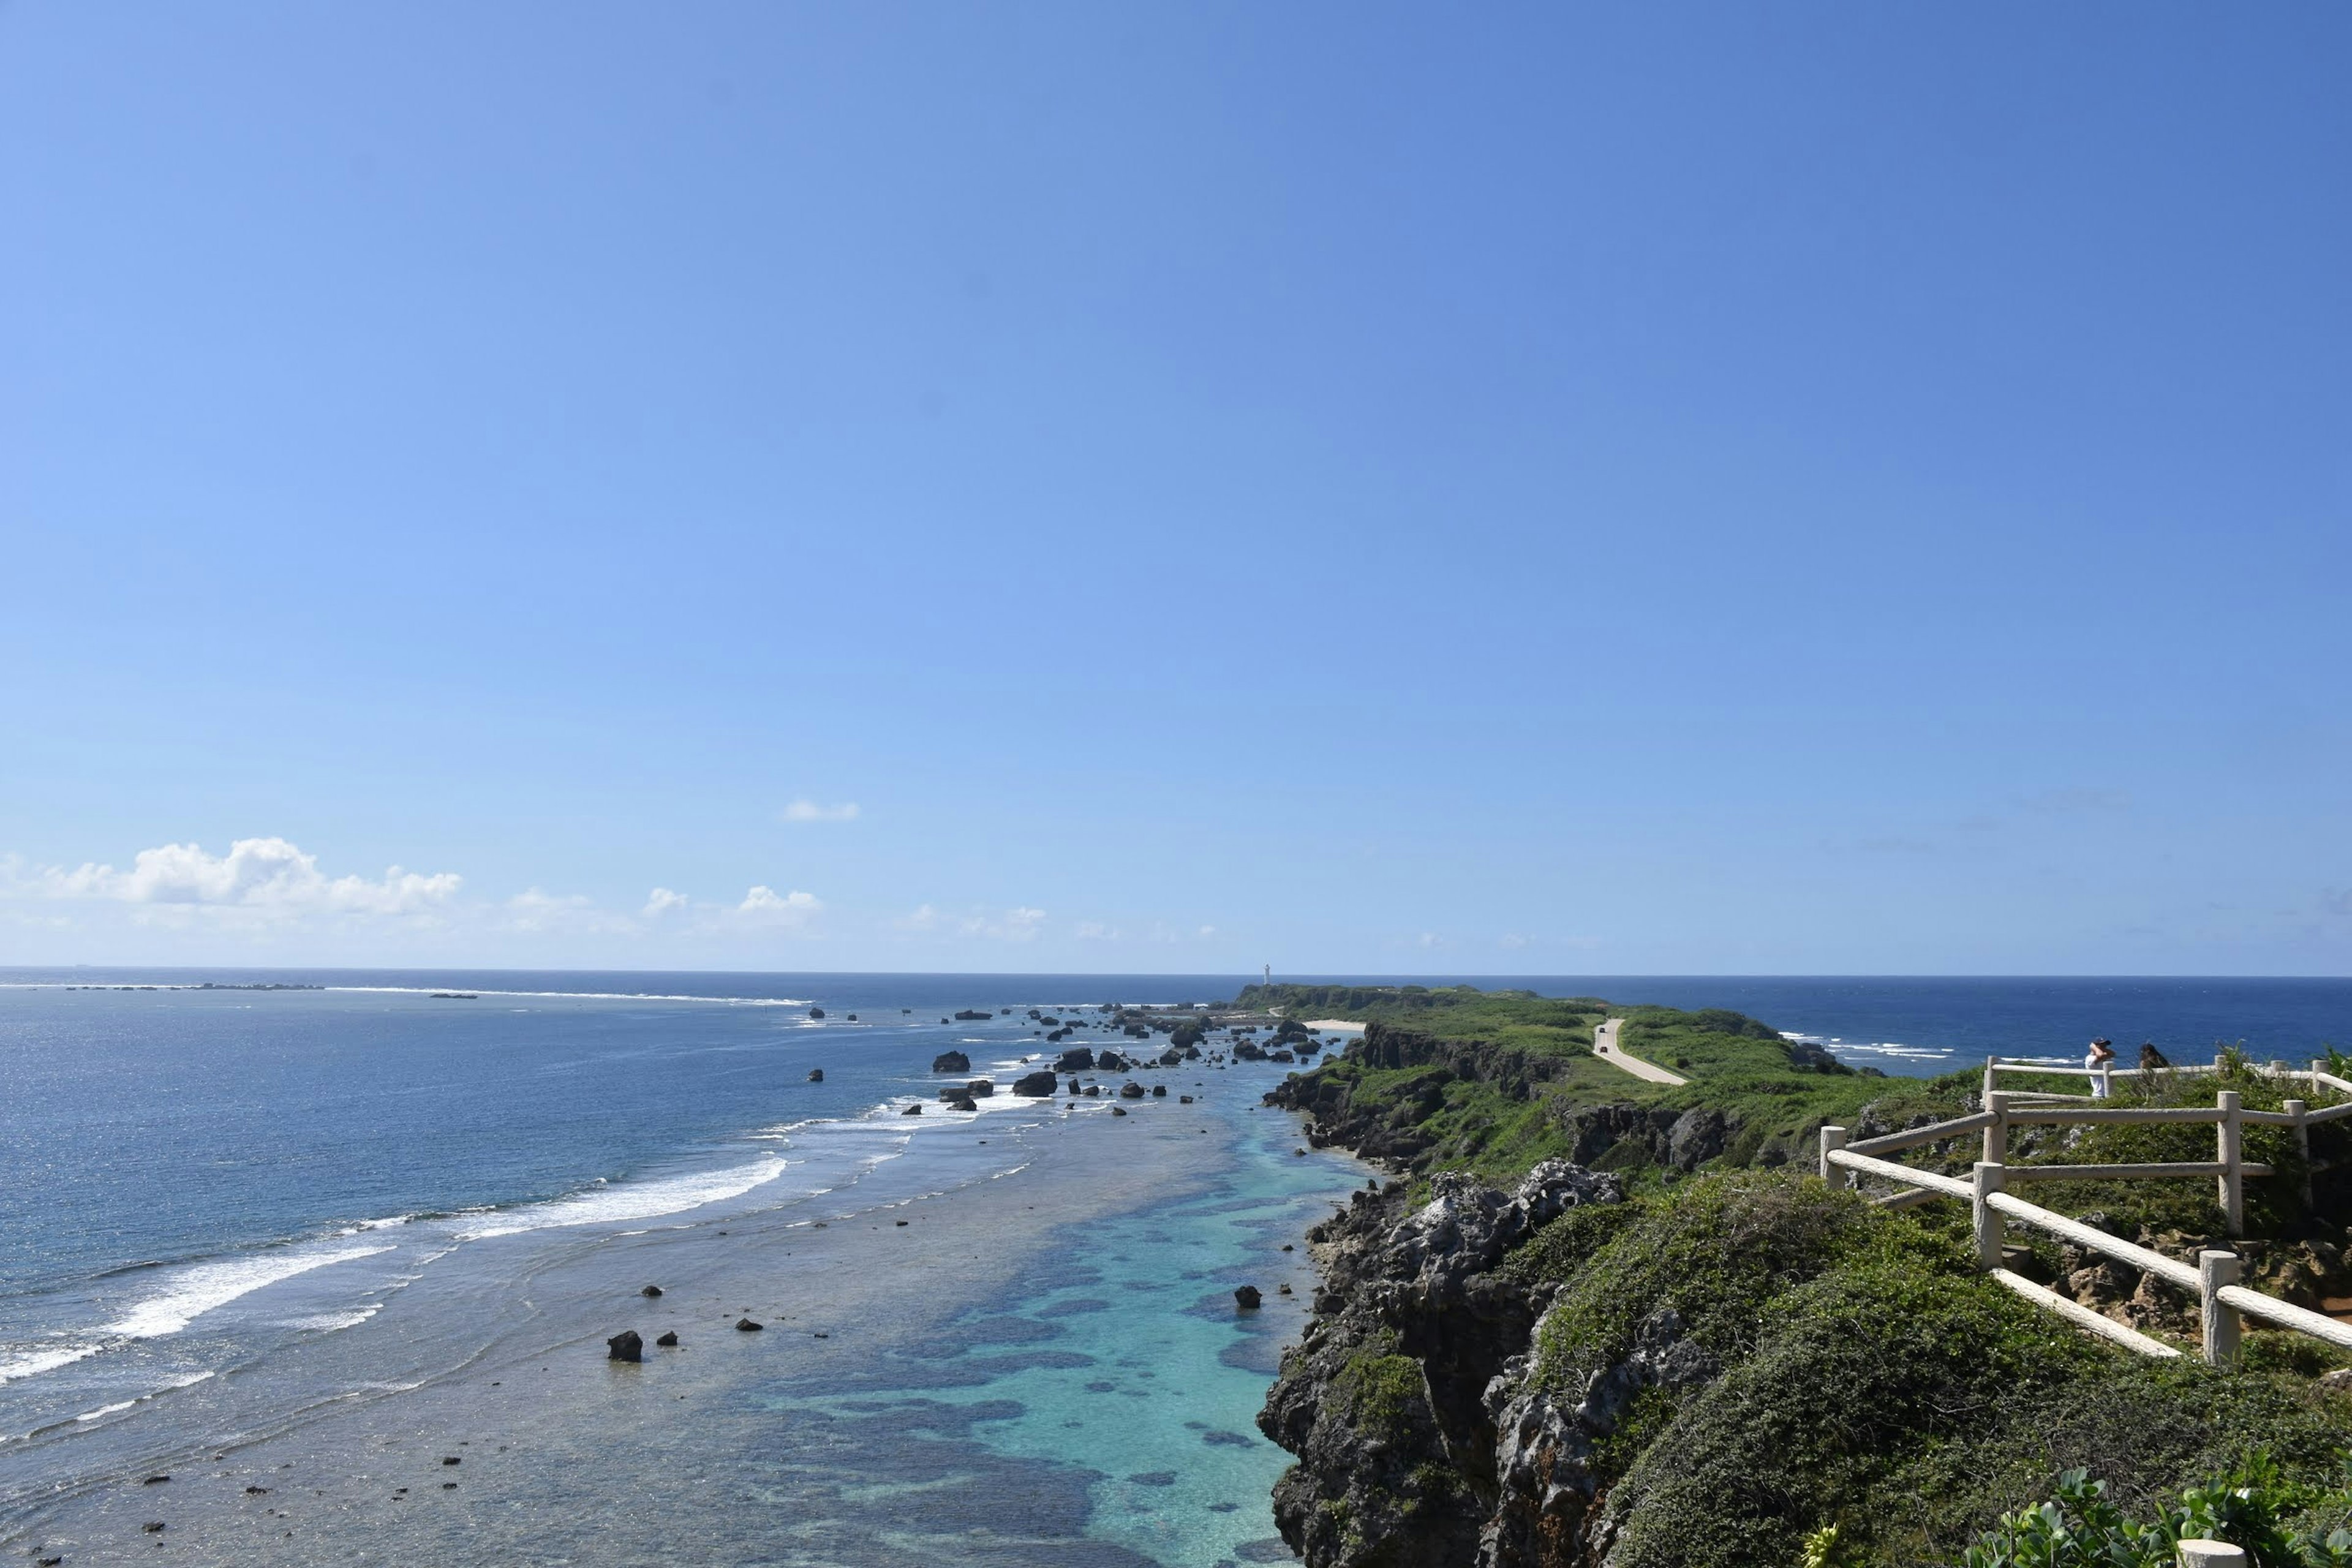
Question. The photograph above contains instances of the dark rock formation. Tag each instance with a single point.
(1037, 1085)
(1110, 1062)
(981, 1087)
(1160, 1091)
(1119, 1110)
(914, 1109)
(668, 1341)
(650, 1291)
(951, 1061)
(746, 1325)
(969, 1016)
(1246, 1297)
(1391, 1400)
(817, 1075)
(625, 1346)
(960, 1096)
(816, 1012)
(1077, 1058)
(1131, 1090)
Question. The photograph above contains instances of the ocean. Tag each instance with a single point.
(251, 1233)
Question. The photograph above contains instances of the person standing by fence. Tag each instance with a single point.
(2103, 1052)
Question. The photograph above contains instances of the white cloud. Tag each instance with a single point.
(258, 879)
(925, 918)
(1095, 931)
(662, 901)
(1016, 924)
(1430, 939)
(805, 810)
(766, 905)
(1207, 931)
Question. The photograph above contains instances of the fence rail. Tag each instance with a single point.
(2223, 1302)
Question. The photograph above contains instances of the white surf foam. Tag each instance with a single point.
(645, 1200)
(201, 1289)
(29, 1363)
(576, 996)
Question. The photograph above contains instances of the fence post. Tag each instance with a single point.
(1990, 1070)
(1833, 1138)
(2211, 1554)
(2299, 1111)
(1996, 1137)
(2215, 1270)
(1988, 1181)
(2317, 1067)
(2229, 1137)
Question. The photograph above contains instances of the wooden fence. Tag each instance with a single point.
(2223, 1303)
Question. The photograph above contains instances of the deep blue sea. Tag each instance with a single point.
(202, 1191)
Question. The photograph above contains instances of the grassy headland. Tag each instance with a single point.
(1847, 1378)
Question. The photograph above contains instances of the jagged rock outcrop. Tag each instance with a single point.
(1545, 1484)
(1386, 1401)
(951, 1061)
(1035, 1085)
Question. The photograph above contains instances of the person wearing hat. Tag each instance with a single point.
(2102, 1051)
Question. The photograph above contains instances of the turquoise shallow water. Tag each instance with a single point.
(1124, 1359)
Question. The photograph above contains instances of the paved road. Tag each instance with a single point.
(1605, 1046)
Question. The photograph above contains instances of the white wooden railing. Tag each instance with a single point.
(2223, 1303)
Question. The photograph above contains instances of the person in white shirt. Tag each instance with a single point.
(2103, 1052)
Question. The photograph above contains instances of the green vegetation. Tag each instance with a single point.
(2254, 1505)
(1383, 1388)
(1496, 1123)
(1870, 1381)
(1519, 1020)
(1851, 1391)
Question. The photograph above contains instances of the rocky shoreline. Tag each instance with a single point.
(1572, 1367)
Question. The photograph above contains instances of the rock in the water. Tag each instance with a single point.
(1131, 1090)
(1246, 1297)
(951, 1061)
(746, 1325)
(1119, 1110)
(1074, 1088)
(914, 1109)
(625, 1346)
(1037, 1085)
(981, 1087)
(1111, 1061)
(969, 1016)
(1158, 1091)
(1093, 1090)
(650, 1290)
(1077, 1058)
(817, 1075)
(816, 1012)
(668, 1341)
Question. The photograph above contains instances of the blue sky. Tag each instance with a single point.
(1362, 488)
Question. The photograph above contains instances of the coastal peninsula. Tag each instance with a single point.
(1598, 1319)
